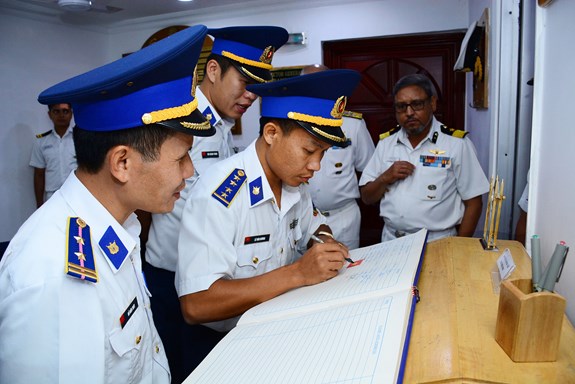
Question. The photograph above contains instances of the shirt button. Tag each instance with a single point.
(157, 348)
(138, 339)
(255, 260)
(281, 250)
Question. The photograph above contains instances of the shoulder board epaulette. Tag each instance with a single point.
(41, 135)
(230, 187)
(389, 133)
(80, 261)
(355, 115)
(453, 132)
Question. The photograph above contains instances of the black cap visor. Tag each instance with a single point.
(193, 124)
(332, 135)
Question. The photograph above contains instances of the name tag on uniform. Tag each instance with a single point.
(256, 239)
(210, 154)
(129, 312)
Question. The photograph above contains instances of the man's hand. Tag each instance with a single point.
(322, 262)
(398, 171)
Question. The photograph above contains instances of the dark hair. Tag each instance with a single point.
(418, 80)
(286, 125)
(222, 61)
(50, 106)
(92, 146)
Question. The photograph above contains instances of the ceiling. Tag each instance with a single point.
(115, 11)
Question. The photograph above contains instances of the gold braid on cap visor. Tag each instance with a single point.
(174, 113)
(319, 121)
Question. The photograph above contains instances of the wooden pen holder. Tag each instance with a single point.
(529, 323)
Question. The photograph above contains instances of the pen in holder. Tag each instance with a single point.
(529, 324)
(492, 214)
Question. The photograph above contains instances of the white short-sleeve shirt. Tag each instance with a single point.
(336, 184)
(447, 172)
(56, 155)
(162, 245)
(58, 328)
(232, 227)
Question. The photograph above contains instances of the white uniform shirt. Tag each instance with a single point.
(336, 184)
(248, 237)
(55, 154)
(432, 197)
(162, 245)
(56, 328)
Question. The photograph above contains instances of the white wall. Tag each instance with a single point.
(37, 53)
(552, 180)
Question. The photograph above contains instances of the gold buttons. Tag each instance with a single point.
(138, 339)
(255, 260)
(157, 348)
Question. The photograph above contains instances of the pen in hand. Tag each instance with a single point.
(318, 240)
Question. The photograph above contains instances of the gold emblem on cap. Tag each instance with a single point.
(113, 247)
(267, 55)
(81, 223)
(339, 107)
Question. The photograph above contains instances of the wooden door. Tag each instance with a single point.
(384, 60)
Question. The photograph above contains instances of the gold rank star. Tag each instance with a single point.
(80, 256)
(79, 240)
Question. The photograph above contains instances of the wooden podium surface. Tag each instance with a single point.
(453, 334)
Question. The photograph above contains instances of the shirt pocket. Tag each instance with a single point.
(430, 182)
(252, 259)
(128, 343)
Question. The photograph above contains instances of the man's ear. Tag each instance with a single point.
(120, 159)
(212, 70)
(433, 103)
(271, 132)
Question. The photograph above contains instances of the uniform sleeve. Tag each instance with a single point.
(206, 249)
(374, 166)
(364, 148)
(37, 159)
(471, 180)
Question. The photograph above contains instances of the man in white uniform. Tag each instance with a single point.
(247, 225)
(74, 307)
(240, 56)
(53, 155)
(334, 188)
(423, 174)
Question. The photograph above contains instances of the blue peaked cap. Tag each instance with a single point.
(316, 101)
(153, 85)
(250, 48)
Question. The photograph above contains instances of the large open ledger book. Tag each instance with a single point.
(353, 328)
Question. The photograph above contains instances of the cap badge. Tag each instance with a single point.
(267, 55)
(339, 107)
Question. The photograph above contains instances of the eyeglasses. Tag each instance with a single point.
(416, 105)
(57, 112)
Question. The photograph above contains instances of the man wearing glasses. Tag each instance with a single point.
(423, 174)
(53, 154)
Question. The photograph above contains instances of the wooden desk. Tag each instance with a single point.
(453, 334)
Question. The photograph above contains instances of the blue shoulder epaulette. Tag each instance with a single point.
(355, 115)
(389, 133)
(80, 261)
(229, 188)
(453, 132)
(41, 135)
